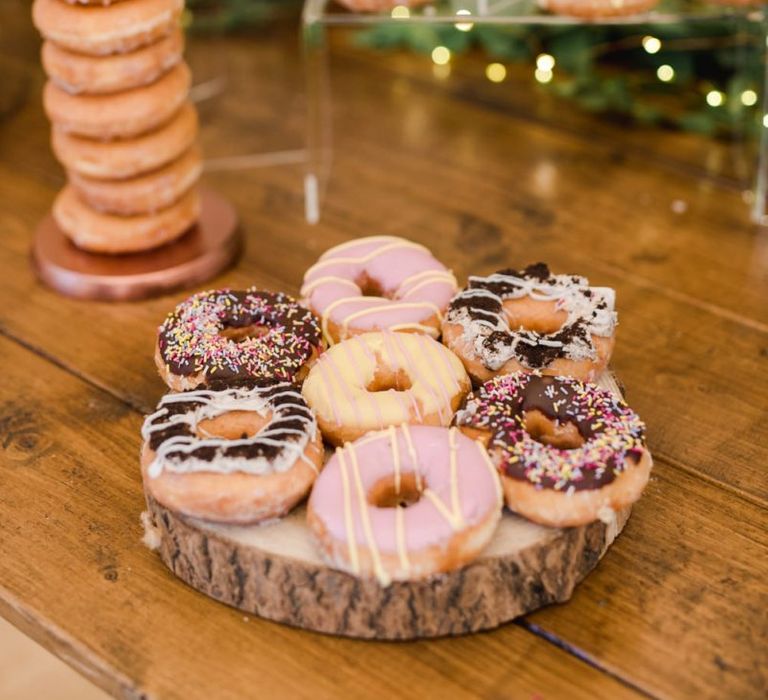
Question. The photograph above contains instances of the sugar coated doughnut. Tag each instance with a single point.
(376, 283)
(595, 9)
(105, 28)
(378, 379)
(121, 115)
(405, 503)
(569, 452)
(107, 233)
(225, 334)
(238, 453)
(127, 157)
(77, 73)
(531, 320)
(146, 193)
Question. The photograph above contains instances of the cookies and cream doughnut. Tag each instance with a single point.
(226, 335)
(127, 158)
(239, 453)
(105, 28)
(120, 115)
(107, 233)
(529, 320)
(405, 503)
(376, 283)
(144, 194)
(77, 73)
(375, 380)
(569, 452)
(595, 9)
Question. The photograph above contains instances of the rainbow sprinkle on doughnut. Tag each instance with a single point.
(611, 430)
(191, 339)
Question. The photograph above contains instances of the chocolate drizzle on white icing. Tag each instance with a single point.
(480, 312)
(172, 431)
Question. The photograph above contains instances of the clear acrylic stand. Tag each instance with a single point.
(320, 16)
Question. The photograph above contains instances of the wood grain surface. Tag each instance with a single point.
(486, 177)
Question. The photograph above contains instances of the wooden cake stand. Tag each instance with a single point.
(274, 571)
(201, 253)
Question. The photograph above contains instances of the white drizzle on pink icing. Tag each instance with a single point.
(453, 469)
(410, 300)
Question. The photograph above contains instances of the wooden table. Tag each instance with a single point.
(678, 607)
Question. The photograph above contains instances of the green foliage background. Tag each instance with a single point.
(599, 67)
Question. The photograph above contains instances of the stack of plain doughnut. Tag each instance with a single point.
(442, 406)
(122, 124)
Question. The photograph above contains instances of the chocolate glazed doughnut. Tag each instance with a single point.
(569, 453)
(225, 334)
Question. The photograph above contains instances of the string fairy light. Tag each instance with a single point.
(400, 12)
(441, 55)
(464, 26)
(495, 72)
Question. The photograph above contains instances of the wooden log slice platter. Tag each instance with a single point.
(275, 571)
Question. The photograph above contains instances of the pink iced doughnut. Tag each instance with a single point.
(378, 283)
(405, 503)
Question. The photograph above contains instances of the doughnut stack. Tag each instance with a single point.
(122, 124)
(441, 403)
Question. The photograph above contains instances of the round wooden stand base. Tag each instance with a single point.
(274, 571)
(201, 253)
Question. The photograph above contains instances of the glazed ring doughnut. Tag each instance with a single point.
(225, 334)
(375, 380)
(111, 160)
(106, 233)
(405, 503)
(596, 9)
(106, 28)
(378, 283)
(146, 193)
(121, 115)
(569, 453)
(77, 73)
(239, 453)
(531, 320)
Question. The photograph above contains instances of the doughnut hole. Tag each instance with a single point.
(234, 425)
(564, 436)
(243, 333)
(532, 315)
(385, 379)
(386, 494)
(370, 287)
